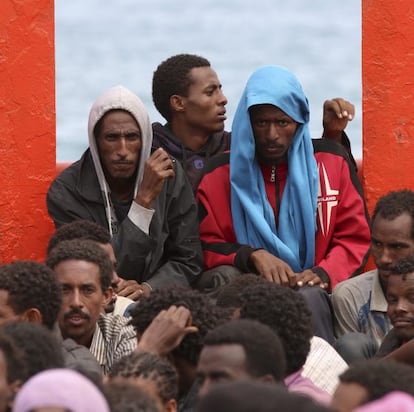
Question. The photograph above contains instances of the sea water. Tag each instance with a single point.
(103, 43)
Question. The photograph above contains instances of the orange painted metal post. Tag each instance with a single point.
(27, 126)
(388, 96)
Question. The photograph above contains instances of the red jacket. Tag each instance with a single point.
(342, 238)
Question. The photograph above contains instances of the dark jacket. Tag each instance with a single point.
(171, 253)
(192, 162)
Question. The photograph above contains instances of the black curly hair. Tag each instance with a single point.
(172, 76)
(205, 315)
(230, 294)
(249, 395)
(263, 348)
(151, 367)
(394, 204)
(79, 229)
(32, 285)
(41, 348)
(13, 356)
(286, 313)
(123, 396)
(380, 377)
(87, 250)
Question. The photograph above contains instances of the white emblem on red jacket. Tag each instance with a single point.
(327, 200)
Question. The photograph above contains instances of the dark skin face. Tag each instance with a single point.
(82, 299)
(390, 241)
(7, 313)
(205, 102)
(348, 396)
(221, 363)
(400, 298)
(119, 145)
(273, 131)
(202, 111)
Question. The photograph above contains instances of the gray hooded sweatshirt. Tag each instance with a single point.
(170, 254)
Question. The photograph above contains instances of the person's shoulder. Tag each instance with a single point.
(356, 284)
(218, 161)
(330, 147)
(165, 138)
(81, 358)
(71, 170)
(220, 142)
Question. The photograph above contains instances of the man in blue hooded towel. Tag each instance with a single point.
(280, 204)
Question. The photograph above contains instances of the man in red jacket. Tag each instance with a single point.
(281, 205)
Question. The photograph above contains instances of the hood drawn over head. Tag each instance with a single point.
(119, 98)
(253, 217)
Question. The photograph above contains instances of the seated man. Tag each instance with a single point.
(85, 229)
(194, 317)
(370, 380)
(399, 295)
(156, 372)
(253, 395)
(290, 319)
(359, 303)
(84, 272)
(143, 199)
(280, 205)
(124, 396)
(29, 292)
(188, 94)
(240, 350)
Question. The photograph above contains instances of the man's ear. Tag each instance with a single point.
(171, 405)
(32, 315)
(108, 293)
(177, 103)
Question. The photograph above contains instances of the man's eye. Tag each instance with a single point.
(133, 136)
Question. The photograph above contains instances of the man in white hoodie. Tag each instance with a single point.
(143, 199)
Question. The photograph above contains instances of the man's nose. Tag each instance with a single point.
(76, 300)
(222, 99)
(204, 388)
(122, 147)
(401, 306)
(273, 132)
(385, 257)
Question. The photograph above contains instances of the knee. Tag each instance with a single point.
(213, 279)
(354, 346)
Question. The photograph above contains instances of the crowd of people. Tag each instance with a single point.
(195, 269)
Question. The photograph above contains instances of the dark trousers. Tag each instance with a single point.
(355, 346)
(319, 302)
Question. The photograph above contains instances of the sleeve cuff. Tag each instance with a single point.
(322, 274)
(140, 216)
(242, 260)
(147, 284)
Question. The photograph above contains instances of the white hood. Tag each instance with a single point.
(119, 97)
